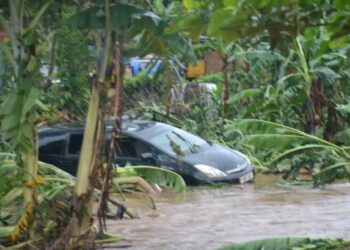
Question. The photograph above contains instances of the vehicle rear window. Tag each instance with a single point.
(52, 145)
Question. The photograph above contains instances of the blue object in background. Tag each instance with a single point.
(138, 65)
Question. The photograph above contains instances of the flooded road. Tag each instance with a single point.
(209, 218)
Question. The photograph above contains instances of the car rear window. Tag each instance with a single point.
(52, 145)
(75, 142)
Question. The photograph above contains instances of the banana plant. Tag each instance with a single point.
(55, 194)
(276, 145)
(104, 19)
(17, 109)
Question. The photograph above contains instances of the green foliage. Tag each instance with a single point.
(122, 16)
(70, 82)
(290, 244)
(141, 80)
(143, 88)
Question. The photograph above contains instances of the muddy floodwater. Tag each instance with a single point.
(209, 218)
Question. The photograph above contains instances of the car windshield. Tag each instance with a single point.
(178, 142)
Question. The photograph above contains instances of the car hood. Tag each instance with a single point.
(220, 157)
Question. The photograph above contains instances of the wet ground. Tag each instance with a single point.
(209, 218)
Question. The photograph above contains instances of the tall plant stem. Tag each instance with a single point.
(89, 157)
(117, 113)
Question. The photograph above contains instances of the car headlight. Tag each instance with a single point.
(209, 171)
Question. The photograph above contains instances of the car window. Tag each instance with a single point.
(132, 147)
(178, 142)
(52, 145)
(75, 142)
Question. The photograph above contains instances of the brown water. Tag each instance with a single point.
(209, 218)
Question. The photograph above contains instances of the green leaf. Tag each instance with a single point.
(262, 133)
(274, 141)
(9, 55)
(191, 23)
(6, 231)
(191, 4)
(7, 156)
(156, 175)
(10, 122)
(32, 65)
(341, 4)
(228, 24)
(243, 95)
(10, 103)
(254, 126)
(91, 18)
(39, 14)
(326, 74)
(11, 196)
(230, 3)
(296, 150)
(340, 42)
(30, 101)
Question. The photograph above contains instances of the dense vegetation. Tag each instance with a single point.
(282, 95)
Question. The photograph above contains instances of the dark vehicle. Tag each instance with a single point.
(151, 143)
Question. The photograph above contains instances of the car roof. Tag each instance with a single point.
(132, 126)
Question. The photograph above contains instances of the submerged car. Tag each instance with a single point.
(151, 143)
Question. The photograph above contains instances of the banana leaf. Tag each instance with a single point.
(255, 127)
(292, 243)
(156, 175)
(275, 141)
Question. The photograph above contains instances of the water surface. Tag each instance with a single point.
(209, 218)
